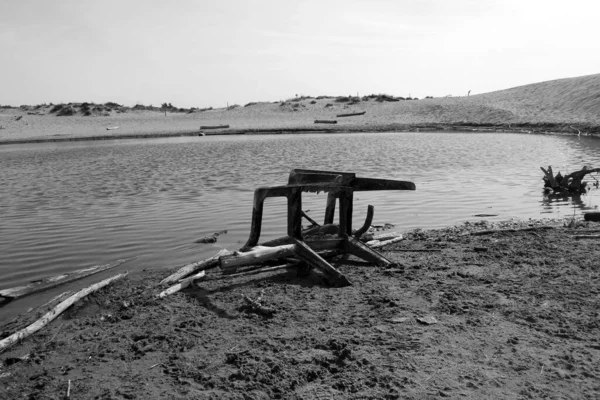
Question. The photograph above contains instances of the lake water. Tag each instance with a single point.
(71, 205)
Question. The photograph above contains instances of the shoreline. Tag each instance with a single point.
(484, 309)
(541, 128)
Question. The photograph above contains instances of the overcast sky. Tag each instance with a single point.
(197, 53)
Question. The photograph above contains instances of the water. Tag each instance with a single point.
(72, 205)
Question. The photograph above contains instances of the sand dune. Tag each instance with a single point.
(563, 101)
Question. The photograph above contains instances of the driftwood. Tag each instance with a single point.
(51, 302)
(214, 126)
(257, 255)
(570, 183)
(189, 269)
(48, 283)
(325, 121)
(367, 237)
(259, 270)
(351, 114)
(375, 244)
(55, 312)
(182, 284)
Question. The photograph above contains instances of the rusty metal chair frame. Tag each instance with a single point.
(340, 186)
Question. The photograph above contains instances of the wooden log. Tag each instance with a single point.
(579, 175)
(257, 255)
(381, 243)
(549, 175)
(327, 229)
(260, 270)
(306, 254)
(587, 237)
(51, 302)
(214, 126)
(323, 244)
(351, 114)
(182, 284)
(367, 237)
(276, 242)
(53, 281)
(325, 121)
(55, 312)
(189, 269)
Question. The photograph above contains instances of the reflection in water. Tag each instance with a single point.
(71, 205)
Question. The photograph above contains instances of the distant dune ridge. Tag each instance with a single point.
(559, 103)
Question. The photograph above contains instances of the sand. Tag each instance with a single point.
(513, 314)
(564, 105)
(504, 315)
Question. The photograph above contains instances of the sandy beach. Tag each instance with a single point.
(486, 311)
(482, 310)
(566, 105)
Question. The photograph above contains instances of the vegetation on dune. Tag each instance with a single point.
(89, 109)
(348, 99)
(300, 98)
(381, 97)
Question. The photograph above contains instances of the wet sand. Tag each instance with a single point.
(511, 314)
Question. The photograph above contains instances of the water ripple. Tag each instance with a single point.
(73, 205)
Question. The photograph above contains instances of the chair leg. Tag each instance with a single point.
(307, 255)
(294, 223)
(360, 250)
(330, 208)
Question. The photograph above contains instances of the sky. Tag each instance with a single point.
(198, 53)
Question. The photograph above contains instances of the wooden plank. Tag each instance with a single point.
(351, 114)
(325, 121)
(53, 281)
(214, 126)
(257, 255)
